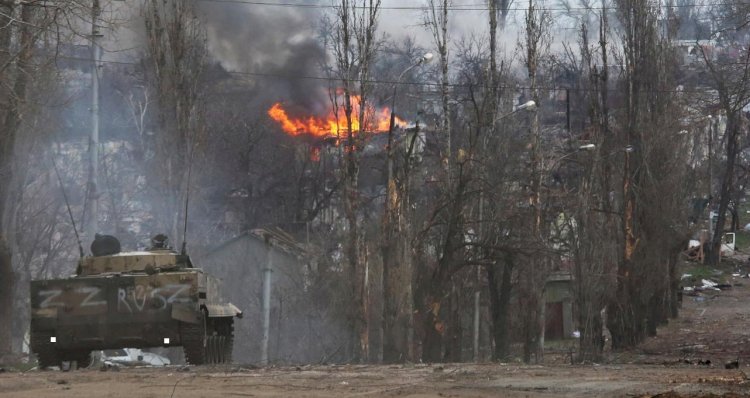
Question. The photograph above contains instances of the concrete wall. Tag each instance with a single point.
(301, 332)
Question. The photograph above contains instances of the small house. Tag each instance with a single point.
(269, 259)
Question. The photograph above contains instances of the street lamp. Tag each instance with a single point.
(528, 106)
(581, 148)
(426, 58)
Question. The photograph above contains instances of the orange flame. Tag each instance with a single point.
(377, 121)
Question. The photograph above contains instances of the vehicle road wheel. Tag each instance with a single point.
(46, 352)
(211, 349)
(210, 345)
(226, 331)
(194, 342)
(220, 349)
(82, 358)
(216, 349)
(219, 358)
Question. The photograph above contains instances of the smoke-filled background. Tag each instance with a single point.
(184, 114)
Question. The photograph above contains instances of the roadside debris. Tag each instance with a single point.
(709, 284)
(732, 364)
(109, 366)
(695, 287)
(686, 361)
(133, 357)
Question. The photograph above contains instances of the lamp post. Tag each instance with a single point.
(709, 182)
(389, 148)
(93, 194)
(391, 312)
(528, 106)
(422, 60)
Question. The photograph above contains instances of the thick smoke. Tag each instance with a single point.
(272, 42)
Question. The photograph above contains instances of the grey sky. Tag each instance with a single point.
(246, 36)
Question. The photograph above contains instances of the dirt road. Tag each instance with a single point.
(685, 360)
(453, 380)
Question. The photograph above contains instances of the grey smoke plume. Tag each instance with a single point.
(271, 41)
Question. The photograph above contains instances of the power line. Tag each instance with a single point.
(453, 85)
(466, 7)
(392, 82)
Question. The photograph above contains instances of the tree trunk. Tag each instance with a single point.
(500, 292)
(432, 344)
(592, 338)
(455, 329)
(726, 188)
(429, 295)
(396, 309)
(7, 146)
(675, 291)
(7, 283)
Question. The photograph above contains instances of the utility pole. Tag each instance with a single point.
(93, 193)
(477, 313)
(267, 271)
(709, 183)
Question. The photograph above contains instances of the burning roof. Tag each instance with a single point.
(335, 122)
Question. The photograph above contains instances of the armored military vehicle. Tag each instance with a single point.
(153, 298)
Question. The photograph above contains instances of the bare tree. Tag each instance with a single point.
(354, 45)
(731, 79)
(536, 45)
(176, 62)
(22, 27)
(593, 245)
(437, 22)
(651, 187)
(398, 301)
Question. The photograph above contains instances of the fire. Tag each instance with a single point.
(333, 124)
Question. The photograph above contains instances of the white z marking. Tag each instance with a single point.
(51, 295)
(92, 293)
(180, 289)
